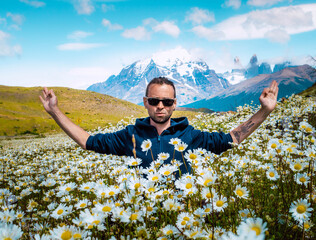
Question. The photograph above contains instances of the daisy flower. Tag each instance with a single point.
(208, 195)
(82, 204)
(302, 178)
(300, 210)
(132, 162)
(10, 231)
(297, 166)
(272, 174)
(207, 179)
(163, 156)
(220, 203)
(241, 192)
(252, 228)
(170, 230)
(61, 211)
(184, 220)
(174, 141)
(180, 147)
(146, 145)
(167, 170)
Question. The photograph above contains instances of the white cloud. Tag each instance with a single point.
(261, 24)
(84, 6)
(199, 16)
(77, 35)
(6, 49)
(233, 3)
(78, 46)
(208, 33)
(277, 35)
(107, 7)
(167, 27)
(261, 3)
(17, 19)
(138, 33)
(111, 26)
(36, 4)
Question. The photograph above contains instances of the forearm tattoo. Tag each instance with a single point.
(242, 130)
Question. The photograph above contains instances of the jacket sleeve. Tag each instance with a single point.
(109, 143)
(215, 142)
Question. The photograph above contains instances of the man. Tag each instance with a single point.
(159, 128)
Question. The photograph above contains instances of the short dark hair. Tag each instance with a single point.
(161, 81)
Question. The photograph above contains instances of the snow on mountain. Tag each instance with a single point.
(193, 79)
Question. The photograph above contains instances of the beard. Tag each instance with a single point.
(160, 120)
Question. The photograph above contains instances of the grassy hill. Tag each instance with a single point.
(21, 111)
(309, 92)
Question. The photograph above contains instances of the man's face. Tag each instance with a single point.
(160, 113)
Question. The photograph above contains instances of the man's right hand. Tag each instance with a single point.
(49, 100)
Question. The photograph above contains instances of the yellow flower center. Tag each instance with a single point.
(219, 203)
(147, 145)
(240, 193)
(149, 208)
(169, 232)
(60, 211)
(83, 205)
(192, 156)
(207, 210)
(166, 173)
(155, 178)
(273, 145)
(66, 235)
(134, 163)
(77, 235)
(206, 183)
(137, 185)
(271, 174)
(151, 189)
(134, 216)
(209, 195)
(96, 222)
(256, 229)
(186, 218)
(106, 209)
(301, 209)
(181, 148)
(302, 179)
(111, 193)
(297, 166)
(188, 186)
(183, 223)
(68, 189)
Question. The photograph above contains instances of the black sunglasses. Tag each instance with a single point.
(167, 102)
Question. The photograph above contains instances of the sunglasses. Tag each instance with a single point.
(167, 102)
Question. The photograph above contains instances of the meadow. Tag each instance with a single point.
(263, 188)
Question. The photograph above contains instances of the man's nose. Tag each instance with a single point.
(160, 105)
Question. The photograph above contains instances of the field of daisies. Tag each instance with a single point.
(263, 188)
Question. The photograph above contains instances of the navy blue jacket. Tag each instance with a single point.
(120, 142)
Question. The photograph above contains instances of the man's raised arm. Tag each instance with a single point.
(49, 101)
(268, 100)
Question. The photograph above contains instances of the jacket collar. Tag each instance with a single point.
(176, 123)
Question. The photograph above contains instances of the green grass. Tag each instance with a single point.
(21, 111)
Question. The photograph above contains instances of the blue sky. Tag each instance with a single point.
(76, 43)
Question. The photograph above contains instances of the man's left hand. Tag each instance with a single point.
(268, 98)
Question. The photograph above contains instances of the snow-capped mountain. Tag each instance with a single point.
(240, 73)
(291, 80)
(193, 78)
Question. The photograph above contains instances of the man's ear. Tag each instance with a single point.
(175, 104)
(145, 101)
